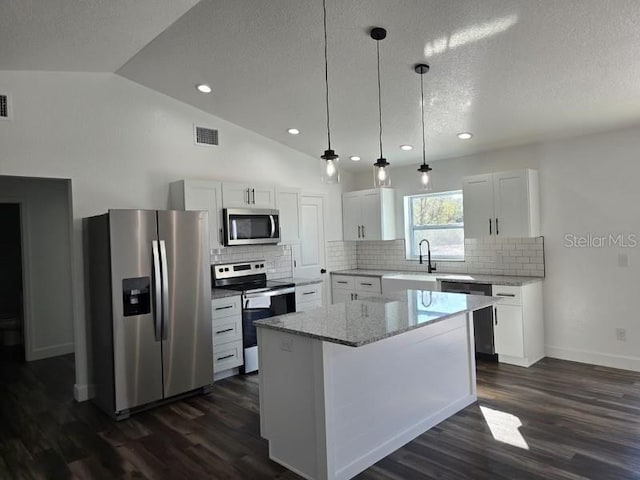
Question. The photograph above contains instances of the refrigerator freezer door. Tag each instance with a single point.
(187, 346)
(137, 354)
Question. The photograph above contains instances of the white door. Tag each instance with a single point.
(507, 330)
(310, 261)
(477, 199)
(351, 216)
(511, 204)
(236, 195)
(263, 197)
(371, 215)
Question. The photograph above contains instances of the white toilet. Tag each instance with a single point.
(10, 331)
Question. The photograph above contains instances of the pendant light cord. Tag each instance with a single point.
(326, 71)
(424, 148)
(379, 95)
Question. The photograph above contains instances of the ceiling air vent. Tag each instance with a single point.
(4, 107)
(206, 136)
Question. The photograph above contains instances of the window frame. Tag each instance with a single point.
(409, 228)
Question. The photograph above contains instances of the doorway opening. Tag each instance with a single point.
(11, 284)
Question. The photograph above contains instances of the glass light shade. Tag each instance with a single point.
(381, 176)
(424, 181)
(330, 170)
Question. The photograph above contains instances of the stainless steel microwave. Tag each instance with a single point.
(250, 226)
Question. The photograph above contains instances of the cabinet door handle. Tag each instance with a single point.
(224, 331)
(363, 234)
(497, 227)
(355, 296)
(309, 293)
(495, 316)
(341, 281)
(224, 308)
(225, 357)
(253, 196)
(221, 240)
(505, 295)
(490, 229)
(248, 196)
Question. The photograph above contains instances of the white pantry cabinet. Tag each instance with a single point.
(345, 288)
(200, 195)
(503, 204)
(245, 195)
(289, 204)
(369, 214)
(518, 325)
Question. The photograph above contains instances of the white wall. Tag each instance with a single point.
(121, 144)
(46, 228)
(588, 185)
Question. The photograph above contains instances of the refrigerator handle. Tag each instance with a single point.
(157, 298)
(165, 288)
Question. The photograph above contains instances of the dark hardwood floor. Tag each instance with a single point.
(555, 420)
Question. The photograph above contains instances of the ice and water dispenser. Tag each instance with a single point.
(136, 296)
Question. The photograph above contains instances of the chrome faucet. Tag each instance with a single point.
(430, 268)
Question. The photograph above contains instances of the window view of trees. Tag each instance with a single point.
(438, 218)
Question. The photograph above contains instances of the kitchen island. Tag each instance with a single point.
(343, 386)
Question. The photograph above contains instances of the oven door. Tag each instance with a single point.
(257, 306)
(251, 227)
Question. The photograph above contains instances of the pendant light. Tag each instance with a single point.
(424, 169)
(381, 177)
(330, 172)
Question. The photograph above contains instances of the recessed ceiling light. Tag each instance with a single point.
(293, 131)
(355, 158)
(465, 136)
(406, 148)
(204, 88)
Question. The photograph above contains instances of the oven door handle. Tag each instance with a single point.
(270, 293)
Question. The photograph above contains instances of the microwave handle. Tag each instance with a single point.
(273, 226)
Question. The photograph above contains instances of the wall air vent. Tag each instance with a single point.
(206, 136)
(4, 107)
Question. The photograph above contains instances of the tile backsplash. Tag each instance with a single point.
(277, 258)
(341, 256)
(505, 256)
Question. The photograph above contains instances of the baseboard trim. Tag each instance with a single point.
(594, 358)
(82, 392)
(52, 351)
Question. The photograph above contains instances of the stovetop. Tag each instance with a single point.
(260, 285)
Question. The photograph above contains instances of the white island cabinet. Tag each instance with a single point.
(342, 387)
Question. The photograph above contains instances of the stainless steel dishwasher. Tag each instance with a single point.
(482, 319)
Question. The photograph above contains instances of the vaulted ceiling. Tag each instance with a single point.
(510, 71)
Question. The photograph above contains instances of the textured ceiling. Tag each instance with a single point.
(510, 71)
(80, 36)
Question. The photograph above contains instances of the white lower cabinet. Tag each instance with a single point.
(345, 288)
(308, 297)
(227, 334)
(518, 325)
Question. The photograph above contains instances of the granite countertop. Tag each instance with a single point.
(449, 277)
(299, 281)
(366, 321)
(223, 293)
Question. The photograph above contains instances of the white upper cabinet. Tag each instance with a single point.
(289, 203)
(245, 195)
(200, 195)
(368, 215)
(502, 204)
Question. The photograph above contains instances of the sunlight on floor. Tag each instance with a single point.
(504, 427)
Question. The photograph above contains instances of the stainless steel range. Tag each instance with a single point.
(261, 298)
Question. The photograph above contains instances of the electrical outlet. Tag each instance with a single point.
(286, 346)
(621, 334)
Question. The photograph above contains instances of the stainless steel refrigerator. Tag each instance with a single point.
(149, 306)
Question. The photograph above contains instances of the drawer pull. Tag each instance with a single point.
(225, 330)
(367, 284)
(309, 293)
(225, 357)
(340, 281)
(505, 295)
(224, 308)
